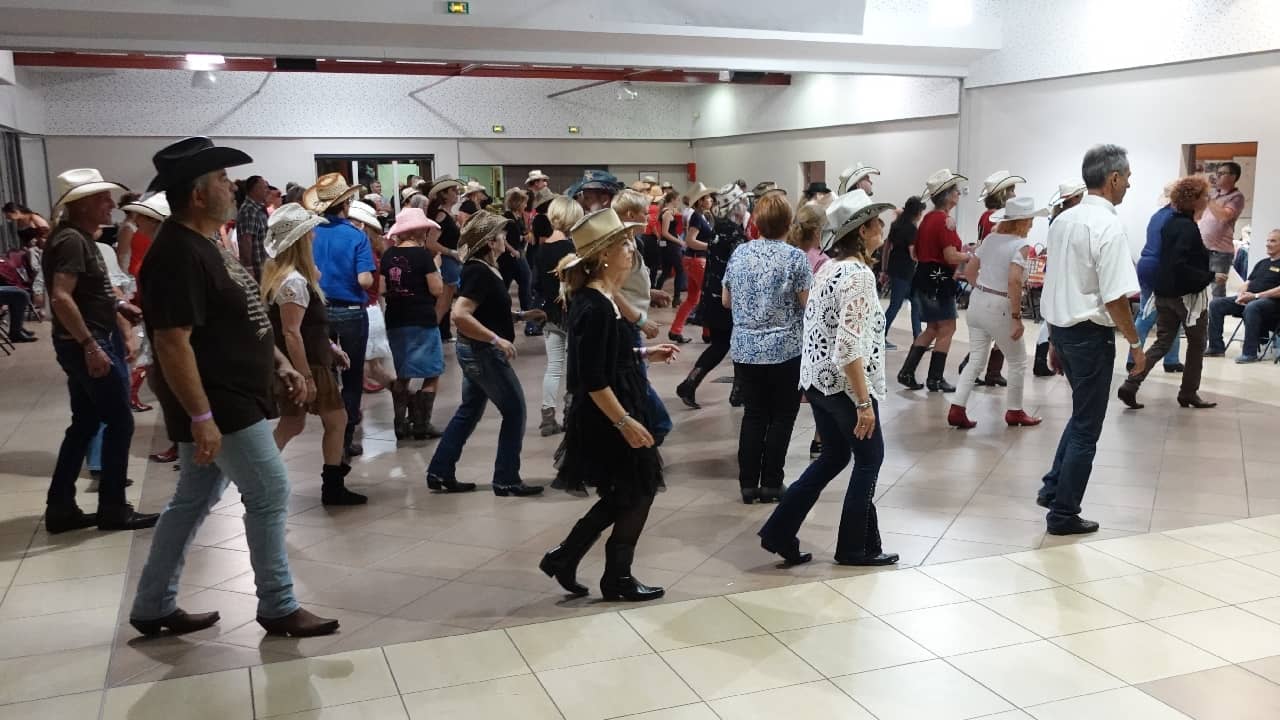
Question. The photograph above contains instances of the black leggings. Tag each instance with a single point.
(627, 521)
(672, 262)
(714, 354)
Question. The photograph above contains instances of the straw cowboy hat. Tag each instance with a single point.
(190, 158)
(329, 190)
(155, 207)
(595, 233)
(942, 180)
(763, 187)
(697, 192)
(852, 176)
(362, 212)
(535, 176)
(81, 183)
(1019, 208)
(411, 219)
(543, 196)
(474, 186)
(482, 226)
(444, 182)
(850, 212)
(641, 186)
(1066, 191)
(286, 226)
(408, 192)
(998, 181)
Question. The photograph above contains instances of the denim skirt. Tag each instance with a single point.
(417, 351)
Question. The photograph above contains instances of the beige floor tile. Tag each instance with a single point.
(1009, 715)
(438, 559)
(62, 596)
(390, 708)
(1227, 580)
(893, 591)
(310, 683)
(65, 707)
(1139, 653)
(357, 549)
(474, 606)
(577, 641)
(853, 646)
(896, 693)
(201, 697)
(1269, 524)
(1154, 552)
(988, 577)
(999, 531)
(615, 688)
(393, 630)
(812, 700)
(1071, 564)
(513, 697)
(693, 622)
(1147, 596)
(961, 628)
(1228, 693)
(1229, 633)
(739, 666)
(1268, 668)
(447, 661)
(700, 711)
(1162, 520)
(353, 592)
(1228, 539)
(1035, 673)
(797, 606)
(1056, 611)
(52, 633)
(63, 673)
(69, 566)
(251, 635)
(1266, 561)
(949, 550)
(1119, 704)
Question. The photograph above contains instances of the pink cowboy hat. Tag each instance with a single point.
(411, 219)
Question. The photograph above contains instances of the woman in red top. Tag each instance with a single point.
(938, 252)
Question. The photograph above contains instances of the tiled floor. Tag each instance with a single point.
(1172, 611)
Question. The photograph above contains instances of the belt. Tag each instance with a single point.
(343, 306)
(986, 289)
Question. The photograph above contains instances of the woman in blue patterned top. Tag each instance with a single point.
(767, 286)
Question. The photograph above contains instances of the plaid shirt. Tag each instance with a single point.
(251, 229)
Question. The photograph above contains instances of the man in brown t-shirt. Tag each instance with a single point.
(90, 327)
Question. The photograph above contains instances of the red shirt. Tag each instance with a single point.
(651, 226)
(138, 246)
(933, 236)
(985, 226)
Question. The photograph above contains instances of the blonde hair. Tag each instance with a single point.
(297, 256)
(630, 202)
(564, 213)
(516, 199)
(807, 226)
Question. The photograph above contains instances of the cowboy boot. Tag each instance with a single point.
(549, 425)
(400, 413)
(994, 365)
(907, 375)
(735, 393)
(618, 583)
(686, 389)
(1042, 368)
(935, 381)
(561, 562)
(333, 487)
(424, 402)
(958, 418)
(136, 378)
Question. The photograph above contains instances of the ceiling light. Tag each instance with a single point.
(725, 76)
(197, 61)
(574, 130)
(204, 80)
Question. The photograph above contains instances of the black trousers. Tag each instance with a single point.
(715, 351)
(771, 400)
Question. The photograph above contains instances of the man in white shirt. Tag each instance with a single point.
(1086, 298)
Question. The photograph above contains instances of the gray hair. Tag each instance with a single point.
(1100, 162)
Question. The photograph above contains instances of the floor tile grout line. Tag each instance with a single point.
(516, 646)
(394, 680)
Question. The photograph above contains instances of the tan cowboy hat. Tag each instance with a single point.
(697, 192)
(443, 182)
(536, 175)
(362, 212)
(474, 186)
(408, 192)
(1066, 191)
(998, 181)
(940, 181)
(1019, 208)
(543, 196)
(763, 187)
(641, 186)
(81, 183)
(852, 176)
(595, 233)
(286, 226)
(330, 189)
(155, 207)
(850, 212)
(482, 226)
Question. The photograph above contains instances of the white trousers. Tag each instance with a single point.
(990, 321)
(557, 344)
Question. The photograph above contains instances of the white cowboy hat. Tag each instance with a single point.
(940, 181)
(595, 233)
(1019, 208)
(998, 181)
(443, 182)
(475, 187)
(649, 179)
(852, 176)
(729, 195)
(364, 213)
(155, 207)
(81, 183)
(850, 212)
(536, 175)
(1066, 190)
(697, 192)
(288, 224)
(330, 189)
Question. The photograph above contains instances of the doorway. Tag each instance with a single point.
(1205, 159)
(389, 171)
(489, 176)
(813, 171)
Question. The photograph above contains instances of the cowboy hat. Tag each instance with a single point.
(649, 180)
(482, 226)
(998, 181)
(286, 226)
(411, 219)
(697, 192)
(444, 182)
(729, 195)
(852, 176)
(666, 185)
(330, 189)
(816, 187)
(763, 187)
(1066, 190)
(641, 186)
(408, 192)
(81, 183)
(189, 159)
(536, 175)
(474, 186)
(595, 180)
(362, 212)
(1019, 208)
(941, 180)
(543, 197)
(595, 233)
(850, 212)
(155, 207)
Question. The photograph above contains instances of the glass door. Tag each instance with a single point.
(383, 174)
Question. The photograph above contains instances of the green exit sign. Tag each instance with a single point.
(458, 8)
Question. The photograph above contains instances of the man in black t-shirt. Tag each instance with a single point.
(90, 327)
(217, 362)
(1258, 304)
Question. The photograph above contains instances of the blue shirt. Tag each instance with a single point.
(1149, 261)
(764, 278)
(342, 252)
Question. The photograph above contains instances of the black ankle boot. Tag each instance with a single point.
(618, 583)
(1042, 368)
(735, 393)
(400, 414)
(685, 390)
(561, 562)
(422, 405)
(937, 365)
(333, 488)
(907, 375)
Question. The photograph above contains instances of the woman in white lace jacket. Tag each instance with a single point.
(842, 374)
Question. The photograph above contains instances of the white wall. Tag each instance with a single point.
(1042, 129)
(906, 152)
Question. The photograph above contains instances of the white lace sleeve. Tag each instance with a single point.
(294, 290)
(854, 336)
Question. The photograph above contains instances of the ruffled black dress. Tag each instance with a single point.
(601, 354)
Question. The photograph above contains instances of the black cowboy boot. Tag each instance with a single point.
(935, 382)
(333, 488)
(561, 562)
(685, 390)
(618, 583)
(424, 402)
(400, 414)
(1042, 368)
(907, 375)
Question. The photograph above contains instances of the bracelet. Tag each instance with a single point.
(644, 351)
(207, 415)
(863, 405)
(494, 340)
(644, 318)
(622, 421)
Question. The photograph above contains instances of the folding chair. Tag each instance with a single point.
(5, 343)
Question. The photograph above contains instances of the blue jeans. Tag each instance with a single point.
(94, 402)
(487, 377)
(248, 458)
(351, 324)
(1087, 353)
(1259, 316)
(1147, 320)
(17, 299)
(93, 458)
(662, 424)
(835, 417)
(900, 291)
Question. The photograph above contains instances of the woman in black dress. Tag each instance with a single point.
(608, 443)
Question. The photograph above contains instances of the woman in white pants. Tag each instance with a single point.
(997, 273)
(563, 213)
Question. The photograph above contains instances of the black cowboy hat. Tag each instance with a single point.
(817, 187)
(190, 158)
